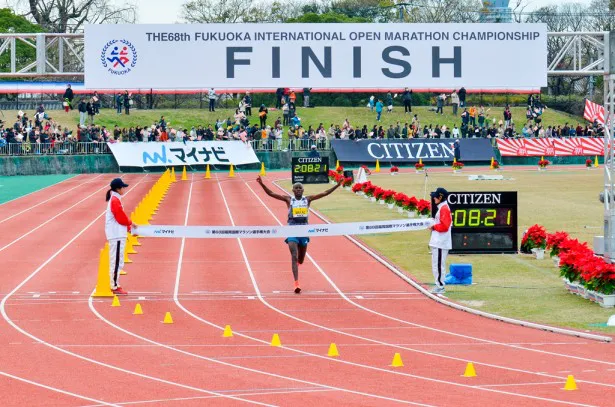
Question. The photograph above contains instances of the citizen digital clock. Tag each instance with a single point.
(310, 170)
(483, 222)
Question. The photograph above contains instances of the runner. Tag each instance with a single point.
(298, 210)
(116, 226)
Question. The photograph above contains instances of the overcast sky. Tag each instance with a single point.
(168, 11)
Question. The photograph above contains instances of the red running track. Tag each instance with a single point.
(60, 347)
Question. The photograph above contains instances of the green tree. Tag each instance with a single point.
(328, 17)
(24, 53)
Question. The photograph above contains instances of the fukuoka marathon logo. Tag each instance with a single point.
(119, 56)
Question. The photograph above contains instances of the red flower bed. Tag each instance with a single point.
(347, 182)
(357, 187)
(543, 163)
(367, 171)
(394, 169)
(535, 237)
(457, 165)
(588, 162)
(388, 196)
(419, 166)
(554, 240)
(339, 169)
(423, 207)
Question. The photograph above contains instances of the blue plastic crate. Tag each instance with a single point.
(459, 274)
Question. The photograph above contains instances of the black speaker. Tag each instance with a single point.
(349, 174)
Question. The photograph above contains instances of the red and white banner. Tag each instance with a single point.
(537, 147)
(594, 112)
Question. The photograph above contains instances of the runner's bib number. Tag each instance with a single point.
(300, 212)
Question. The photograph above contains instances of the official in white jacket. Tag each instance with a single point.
(117, 226)
(441, 241)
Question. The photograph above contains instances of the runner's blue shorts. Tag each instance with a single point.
(301, 241)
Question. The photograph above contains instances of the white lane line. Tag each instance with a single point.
(429, 379)
(39, 190)
(269, 393)
(358, 297)
(52, 218)
(45, 201)
(178, 303)
(55, 389)
(96, 362)
(440, 330)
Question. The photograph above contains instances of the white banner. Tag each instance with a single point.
(177, 153)
(239, 56)
(260, 232)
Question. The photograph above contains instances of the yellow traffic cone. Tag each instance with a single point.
(231, 172)
(263, 172)
(133, 239)
(103, 287)
(275, 340)
(492, 160)
(184, 175)
(454, 160)
(571, 384)
(207, 173)
(420, 161)
(377, 166)
(397, 362)
(167, 318)
(123, 273)
(173, 177)
(126, 259)
(228, 332)
(333, 351)
(138, 310)
(337, 165)
(470, 372)
(115, 302)
(596, 162)
(129, 248)
(542, 158)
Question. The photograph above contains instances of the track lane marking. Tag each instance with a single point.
(64, 351)
(55, 389)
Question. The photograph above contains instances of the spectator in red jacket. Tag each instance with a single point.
(117, 226)
(441, 241)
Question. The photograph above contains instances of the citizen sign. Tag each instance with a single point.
(401, 150)
(474, 199)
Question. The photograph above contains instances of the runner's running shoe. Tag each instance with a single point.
(297, 289)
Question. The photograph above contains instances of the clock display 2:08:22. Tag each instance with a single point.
(483, 217)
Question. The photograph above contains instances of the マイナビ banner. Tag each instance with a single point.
(189, 153)
(332, 56)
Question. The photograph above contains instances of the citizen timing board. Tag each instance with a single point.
(484, 222)
(310, 170)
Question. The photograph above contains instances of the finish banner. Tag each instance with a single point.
(539, 147)
(176, 153)
(332, 56)
(260, 232)
(410, 151)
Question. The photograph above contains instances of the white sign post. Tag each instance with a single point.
(489, 57)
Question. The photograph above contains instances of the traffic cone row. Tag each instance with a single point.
(141, 216)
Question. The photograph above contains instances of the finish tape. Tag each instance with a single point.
(263, 232)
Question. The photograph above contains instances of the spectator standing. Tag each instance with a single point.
(83, 111)
(457, 149)
(292, 97)
(379, 107)
(118, 103)
(389, 102)
(306, 97)
(262, 115)
(455, 102)
(127, 102)
(279, 93)
(507, 116)
(68, 98)
(462, 97)
(212, 100)
(313, 152)
(96, 100)
(440, 103)
(407, 100)
(248, 104)
(90, 109)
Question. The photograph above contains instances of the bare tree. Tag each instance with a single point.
(239, 11)
(443, 11)
(71, 15)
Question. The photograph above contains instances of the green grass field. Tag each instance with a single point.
(313, 116)
(14, 187)
(517, 286)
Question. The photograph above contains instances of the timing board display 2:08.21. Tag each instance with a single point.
(484, 222)
(310, 170)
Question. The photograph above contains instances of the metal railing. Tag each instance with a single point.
(58, 148)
